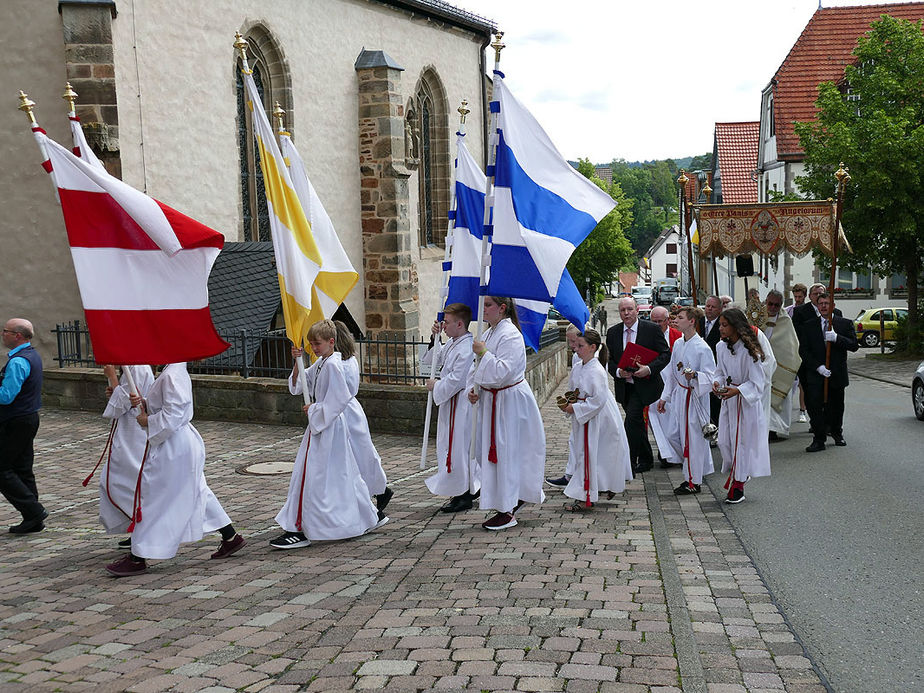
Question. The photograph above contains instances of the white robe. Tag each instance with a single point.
(769, 367)
(742, 425)
(367, 457)
(689, 405)
(119, 476)
(519, 432)
(662, 425)
(177, 506)
(455, 414)
(605, 458)
(326, 483)
(573, 377)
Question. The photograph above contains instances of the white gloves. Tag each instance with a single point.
(830, 336)
(823, 371)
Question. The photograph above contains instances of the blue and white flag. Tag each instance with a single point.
(465, 257)
(543, 210)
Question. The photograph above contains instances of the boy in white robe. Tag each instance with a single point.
(511, 434)
(127, 444)
(571, 335)
(367, 457)
(739, 382)
(598, 449)
(687, 383)
(327, 497)
(456, 473)
(178, 506)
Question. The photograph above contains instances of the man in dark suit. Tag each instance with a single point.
(709, 330)
(809, 310)
(826, 417)
(637, 389)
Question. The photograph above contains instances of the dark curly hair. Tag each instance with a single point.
(739, 323)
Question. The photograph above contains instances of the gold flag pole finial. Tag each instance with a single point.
(682, 179)
(842, 175)
(70, 96)
(241, 44)
(26, 105)
(279, 115)
(707, 191)
(498, 45)
(463, 111)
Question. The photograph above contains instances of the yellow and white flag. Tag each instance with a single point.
(298, 258)
(337, 276)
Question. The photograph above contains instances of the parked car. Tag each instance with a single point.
(644, 310)
(684, 301)
(868, 326)
(917, 392)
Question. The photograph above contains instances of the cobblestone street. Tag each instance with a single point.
(644, 593)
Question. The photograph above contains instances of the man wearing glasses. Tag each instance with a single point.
(20, 401)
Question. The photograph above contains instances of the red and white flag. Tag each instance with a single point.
(142, 267)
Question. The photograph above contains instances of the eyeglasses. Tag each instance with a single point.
(10, 331)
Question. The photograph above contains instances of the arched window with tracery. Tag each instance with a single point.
(271, 76)
(434, 169)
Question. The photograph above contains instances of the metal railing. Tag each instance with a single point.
(389, 359)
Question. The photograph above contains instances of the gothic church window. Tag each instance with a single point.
(433, 151)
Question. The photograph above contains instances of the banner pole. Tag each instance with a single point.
(498, 46)
(843, 177)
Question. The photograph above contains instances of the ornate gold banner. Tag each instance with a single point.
(766, 228)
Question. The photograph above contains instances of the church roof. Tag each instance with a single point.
(820, 54)
(438, 9)
(736, 160)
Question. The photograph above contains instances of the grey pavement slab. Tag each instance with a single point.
(564, 601)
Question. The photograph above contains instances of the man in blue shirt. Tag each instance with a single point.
(20, 401)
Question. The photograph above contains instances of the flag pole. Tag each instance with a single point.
(444, 292)
(498, 46)
(26, 105)
(279, 115)
(843, 177)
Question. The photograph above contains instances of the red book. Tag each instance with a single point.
(634, 356)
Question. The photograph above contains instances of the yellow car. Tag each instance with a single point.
(869, 328)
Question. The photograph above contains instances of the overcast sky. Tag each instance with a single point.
(645, 79)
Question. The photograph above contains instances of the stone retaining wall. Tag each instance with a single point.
(390, 408)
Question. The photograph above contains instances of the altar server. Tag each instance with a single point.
(456, 474)
(571, 336)
(327, 498)
(739, 383)
(173, 503)
(511, 435)
(687, 384)
(598, 450)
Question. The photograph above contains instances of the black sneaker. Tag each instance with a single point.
(125, 543)
(383, 520)
(736, 495)
(381, 499)
(685, 490)
(560, 482)
(290, 540)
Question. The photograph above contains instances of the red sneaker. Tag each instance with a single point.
(125, 566)
(500, 521)
(232, 545)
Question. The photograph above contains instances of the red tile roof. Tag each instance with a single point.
(736, 160)
(819, 55)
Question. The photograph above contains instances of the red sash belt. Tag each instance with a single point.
(492, 451)
(731, 473)
(586, 467)
(136, 503)
(107, 448)
(452, 430)
(301, 493)
(686, 434)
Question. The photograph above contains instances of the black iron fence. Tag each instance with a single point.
(257, 354)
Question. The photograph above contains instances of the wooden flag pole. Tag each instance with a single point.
(498, 46)
(843, 177)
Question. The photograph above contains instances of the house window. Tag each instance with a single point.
(671, 249)
(671, 269)
(434, 169)
(848, 280)
(273, 81)
(771, 124)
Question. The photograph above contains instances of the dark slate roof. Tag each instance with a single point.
(438, 9)
(367, 59)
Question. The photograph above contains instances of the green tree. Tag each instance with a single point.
(606, 250)
(873, 121)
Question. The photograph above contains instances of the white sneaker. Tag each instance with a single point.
(802, 417)
(383, 520)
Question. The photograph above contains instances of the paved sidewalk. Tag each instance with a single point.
(644, 593)
(899, 372)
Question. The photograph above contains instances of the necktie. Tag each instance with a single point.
(630, 336)
(824, 322)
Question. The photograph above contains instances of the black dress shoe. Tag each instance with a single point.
(458, 504)
(36, 524)
(839, 441)
(644, 467)
(816, 446)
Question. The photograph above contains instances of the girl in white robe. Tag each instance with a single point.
(739, 382)
(571, 335)
(173, 503)
(367, 457)
(598, 449)
(119, 475)
(687, 383)
(456, 473)
(327, 497)
(511, 436)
